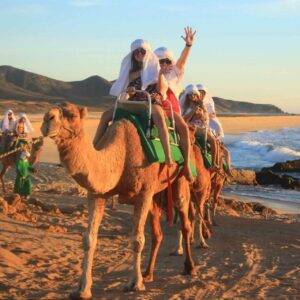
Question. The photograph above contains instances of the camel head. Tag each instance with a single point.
(64, 121)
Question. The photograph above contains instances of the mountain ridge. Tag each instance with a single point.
(21, 85)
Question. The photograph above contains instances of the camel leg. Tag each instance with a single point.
(181, 192)
(157, 237)
(95, 209)
(200, 208)
(178, 250)
(141, 209)
(192, 217)
(4, 170)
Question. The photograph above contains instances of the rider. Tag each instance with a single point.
(8, 128)
(173, 72)
(22, 128)
(214, 123)
(194, 113)
(140, 71)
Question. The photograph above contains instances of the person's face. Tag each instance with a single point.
(165, 65)
(9, 116)
(193, 97)
(202, 95)
(22, 120)
(139, 54)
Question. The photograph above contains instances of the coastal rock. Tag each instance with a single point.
(288, 166)
(266, 177)
(242, 176)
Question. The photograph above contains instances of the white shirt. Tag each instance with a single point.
(174, 78)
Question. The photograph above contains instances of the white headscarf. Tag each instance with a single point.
(186, 107)
(6, 124)
(27, 125)
(24, 154)
(208, 100)
(149, 72)
(175, 76)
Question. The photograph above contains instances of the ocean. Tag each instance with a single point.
(264, 148)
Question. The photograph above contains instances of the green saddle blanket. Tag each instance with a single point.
(152, 146)
(206, 153)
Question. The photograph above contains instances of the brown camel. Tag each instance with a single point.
(118, 167)
(201, 189)
(9, 161)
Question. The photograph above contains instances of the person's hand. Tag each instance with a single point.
(131, 91)
(189, 36)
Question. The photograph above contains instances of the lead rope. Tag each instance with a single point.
(21, 148)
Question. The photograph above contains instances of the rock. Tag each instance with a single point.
(263, 210)
(288, 166)
(53, 228)
(13, 199)
(241, 176)
(3, 206)
(268, 177)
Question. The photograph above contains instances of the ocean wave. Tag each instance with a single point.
(264, 148)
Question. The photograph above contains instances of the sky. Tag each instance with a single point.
(244, 50)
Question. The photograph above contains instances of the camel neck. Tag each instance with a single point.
(99, 171)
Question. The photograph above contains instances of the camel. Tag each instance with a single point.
(9, 161)
(201, 188)
(118, 167)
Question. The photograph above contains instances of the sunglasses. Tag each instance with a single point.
(165, 61)
(139, 50)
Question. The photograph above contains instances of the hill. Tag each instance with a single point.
(24, 86)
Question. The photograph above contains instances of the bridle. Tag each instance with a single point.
(62, 126)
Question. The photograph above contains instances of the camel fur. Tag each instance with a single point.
(118, 167)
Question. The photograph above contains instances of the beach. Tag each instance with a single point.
(231, 125)
(250, 255)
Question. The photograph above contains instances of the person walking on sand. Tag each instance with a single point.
(23, 185)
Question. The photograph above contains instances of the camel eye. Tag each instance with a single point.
(51, 118)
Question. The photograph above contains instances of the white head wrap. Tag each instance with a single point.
(149, 72)
(184, 105)
(27, 125)
(6, 124)
(24, 154)
(208, 100)
(175, 76)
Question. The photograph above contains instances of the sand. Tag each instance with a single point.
(40, 251)
(250, 257)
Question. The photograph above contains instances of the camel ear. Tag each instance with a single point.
(83, 112)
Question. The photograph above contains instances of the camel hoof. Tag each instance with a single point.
(192, 241)
(148, 277)
(202, 246)
(176, 253)
(80, 295)
(133, 287)
(189, 271)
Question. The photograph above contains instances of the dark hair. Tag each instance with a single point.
(135, 65)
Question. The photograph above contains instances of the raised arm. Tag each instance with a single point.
(189, 39)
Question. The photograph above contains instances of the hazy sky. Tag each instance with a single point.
(244, 50)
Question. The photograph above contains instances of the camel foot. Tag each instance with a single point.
(192, 241)
(202, 246)
(189, 270)
(76, 295)
(134, 287)
(148, 277)
(207, 234)
(177, 252)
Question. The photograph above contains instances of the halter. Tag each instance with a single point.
(74, 133)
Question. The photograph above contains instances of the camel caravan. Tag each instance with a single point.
(159, 141)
